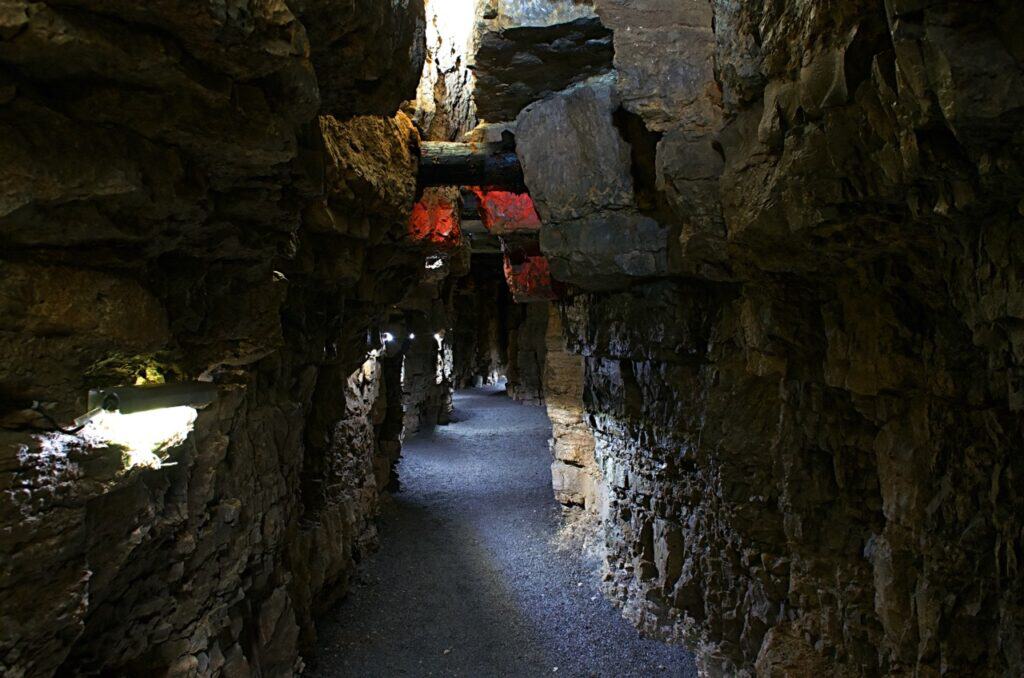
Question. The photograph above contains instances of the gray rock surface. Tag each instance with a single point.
(519, 64)
(578, 168)
(805, 425)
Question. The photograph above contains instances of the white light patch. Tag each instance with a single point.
(449, 40)
(388, 337)
(142, 434)
(434, 263)
(412, 336)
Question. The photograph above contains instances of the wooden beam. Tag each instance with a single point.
(445, 163)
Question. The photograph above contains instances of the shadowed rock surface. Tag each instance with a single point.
(519, 65)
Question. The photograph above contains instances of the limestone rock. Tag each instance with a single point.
(575, 476)
(578, 169)
(172, 207)
(518, 65)
(805, 430)
(368, 55)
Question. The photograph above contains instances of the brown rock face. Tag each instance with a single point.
(806, 417)
(171, 207)
(574, 472)
(367, 53)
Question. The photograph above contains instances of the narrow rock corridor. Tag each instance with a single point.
(751, 272)
(471, 578)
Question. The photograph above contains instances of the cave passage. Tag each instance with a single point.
(472, 577)
(380, 338)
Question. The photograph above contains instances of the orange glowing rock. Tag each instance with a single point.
(505, 212)
(529, 278)
(435, 221)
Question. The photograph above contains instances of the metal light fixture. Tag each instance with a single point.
(144, 419)
(133, 399)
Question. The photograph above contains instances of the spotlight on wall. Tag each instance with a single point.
(144, 419)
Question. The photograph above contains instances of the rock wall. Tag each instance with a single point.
(792, 231)
(494, 337)
(173, 207)
(524, 51)
(427, 379)
(444, 107)
(575, 475)
(527, 348)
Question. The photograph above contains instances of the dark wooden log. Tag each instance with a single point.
(444, 163)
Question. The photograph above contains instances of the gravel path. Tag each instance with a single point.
(467, 581)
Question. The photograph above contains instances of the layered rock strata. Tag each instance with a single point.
(173, 207)
(520, 59)
(793, 231)
(575, 475)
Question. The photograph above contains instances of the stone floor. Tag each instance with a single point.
(469, 580)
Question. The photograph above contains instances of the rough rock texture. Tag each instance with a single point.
(574, 472)
(807, 413)
(444, 106)
(171, 207)
(526, 350)
(493, 337)
(427, 378)
(502, 14)
(577, 166)
(367, 53)
(519, 64)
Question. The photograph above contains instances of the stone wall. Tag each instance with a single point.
(427, 379)
(444, 106)
(177, 202)
(526, 350)
(575, 474)
(495, 337)
(792, 228)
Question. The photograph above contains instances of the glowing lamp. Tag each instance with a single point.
(412, 336)
(388, 337)
(144, 419)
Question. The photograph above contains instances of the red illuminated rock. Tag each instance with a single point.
(435, 221)
(529, 277)
(505, 212)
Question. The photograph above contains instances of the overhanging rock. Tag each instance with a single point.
(578, 168)
(518, 65)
